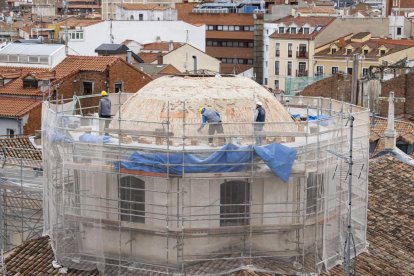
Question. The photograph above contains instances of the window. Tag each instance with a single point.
(333, 50)
(302, 69)
(402, 146)
(231, 28)
(365, 52)
(302, 51)
(10, 133)
(314, 190)
(141, 17)
(251, 28)
(289, 49)
(265, 81)
(399, 31)
(132, 202)
(349, 70)
(118, 87)
(293, 30)
(234, 203)
(210, 28)
(281, 30)
(365, 72)
(237, 28)
(1, 82)
(276, 84)
(87, 88)
(382, 52)
(225, 28)
(251, 45)
(289, 68)
(277, 49)
(209, 43)
(372, 146)
(277, 68)
(306, 30)
(348, 51)
(334, 70)
(29, 83)
(319, 70)
(219, 28)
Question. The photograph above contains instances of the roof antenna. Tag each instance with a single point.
(66, 29)
(111, 36)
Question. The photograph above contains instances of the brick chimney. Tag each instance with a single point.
(159, 59)
(342, 42)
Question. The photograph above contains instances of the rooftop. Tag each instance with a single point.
(320, 10)
(19, 151)
(144, 7)
(30, 49)
(390, 220)
(16, 107)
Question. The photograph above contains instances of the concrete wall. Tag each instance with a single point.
(9, 123)
(181, 58)
(140, 31)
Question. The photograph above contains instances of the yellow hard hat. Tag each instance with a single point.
(201, 109)
(104, 93)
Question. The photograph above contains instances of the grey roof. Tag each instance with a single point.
(151, 69)
(30, 49)
(111, 49)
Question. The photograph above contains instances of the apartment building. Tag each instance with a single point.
(229, 35)
(109, 7)
(291, 48)
(337, 56)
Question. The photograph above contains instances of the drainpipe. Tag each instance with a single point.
(195, 64)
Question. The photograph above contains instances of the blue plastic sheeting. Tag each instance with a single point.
(90, 138)
(230, 158)
(323, 118)
(57, 136)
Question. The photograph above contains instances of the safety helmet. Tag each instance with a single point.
(259, 103)
(104, 93)
(202, 109)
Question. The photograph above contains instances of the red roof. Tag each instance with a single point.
(85, 63)
(15, 86)
(161, 46)
(16, 107)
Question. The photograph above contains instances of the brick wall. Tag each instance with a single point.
(337, 87)
(33, 123)
(132, 78)
(399, 86)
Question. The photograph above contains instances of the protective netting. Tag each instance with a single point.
(149, 222)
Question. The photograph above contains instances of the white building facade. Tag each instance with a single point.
(139, 31)
(152, 13)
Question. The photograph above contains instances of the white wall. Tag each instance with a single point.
(6, 123)
(268, 30)
(169, 14)
(394, 23)
(182, 59)
(140, 31)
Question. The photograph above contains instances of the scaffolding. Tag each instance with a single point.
(166, 219)
(21, 189)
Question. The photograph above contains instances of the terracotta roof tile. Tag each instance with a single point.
(311, 10)
(16, 107)
(20, 151)
(85, 63)
(15, 86)
(390, 230)
(161, 46)
(148, 57)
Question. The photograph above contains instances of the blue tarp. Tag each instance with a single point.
(90, 138)
(323, 118)
(230, 158)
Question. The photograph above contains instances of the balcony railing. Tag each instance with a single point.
(301, 54)
(300, 73)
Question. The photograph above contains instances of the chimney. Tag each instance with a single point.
(342, 42)
(129, 56)
(195, 64)
(159, 59)
(170, 46)
(390, 133)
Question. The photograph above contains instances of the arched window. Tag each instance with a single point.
(132, 199)
(234, 203)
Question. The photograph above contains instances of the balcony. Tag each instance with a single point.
(300, 73)
(302, 54)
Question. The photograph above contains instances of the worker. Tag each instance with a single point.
(104, 110)
(213, 119)
(259, 119)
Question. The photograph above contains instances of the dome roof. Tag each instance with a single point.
(233, 97)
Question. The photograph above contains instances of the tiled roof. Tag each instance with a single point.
(390, 220)
(85, 63)
(163, 46)
(374, 45)
(20, 151)
(405, 132)
(15, 86)
(76, 22)
(16, 107)
(148, 57)
(313, 21)
(144, 7)
(311, 10)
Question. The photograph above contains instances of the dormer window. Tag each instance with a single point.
(348, 51)
(1, 82)
(281, 30)
(29, 83)
(365, 52)
(382, 52)
(293, 30)
(305, 30)
(333, 50)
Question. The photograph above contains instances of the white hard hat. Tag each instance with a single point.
(259, 103)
